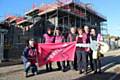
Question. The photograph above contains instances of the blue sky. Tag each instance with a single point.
(109, 8)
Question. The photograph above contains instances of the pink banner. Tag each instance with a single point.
(54, 52)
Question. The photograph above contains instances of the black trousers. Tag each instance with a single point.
(62, 65)
(59, 64)
(75, 62)
(97, 65)
(69, 64)
(89, 56)
(49, 66)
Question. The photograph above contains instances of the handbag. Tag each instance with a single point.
(100, 54)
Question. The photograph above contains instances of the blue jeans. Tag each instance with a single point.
(33, 67)
(81, 60)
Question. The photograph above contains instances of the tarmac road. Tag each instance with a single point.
(110, 68)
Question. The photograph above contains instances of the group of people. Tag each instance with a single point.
(83, 55)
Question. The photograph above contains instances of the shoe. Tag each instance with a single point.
(26, 75)
(99, 71)
(92, 69)
(85, 72)
(76, 69)
(68, 68)
(95, 72)
(63, 70)
(36, 73)
(59, 68)
(47, 70)
(80, 72)
(51, 69)
(33, 74)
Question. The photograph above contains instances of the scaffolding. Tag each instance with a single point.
(63, 14)
(65, 7)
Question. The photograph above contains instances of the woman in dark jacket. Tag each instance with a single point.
(95, 39)
(30, 57)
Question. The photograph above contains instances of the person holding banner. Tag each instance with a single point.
(88, 50)
(72, 37)
(80, 51)
(48, 38)
(30, 57)
(95, 39)
(59, 38)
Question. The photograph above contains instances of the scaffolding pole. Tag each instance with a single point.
(68, 18)
(80, 17)
(56, 20)
(63, 22)
(74, 10)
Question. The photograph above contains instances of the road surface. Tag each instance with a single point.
(110, 68)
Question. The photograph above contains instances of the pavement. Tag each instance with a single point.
(110, 68)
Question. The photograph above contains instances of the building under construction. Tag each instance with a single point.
(35, 22)
(66, 15)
